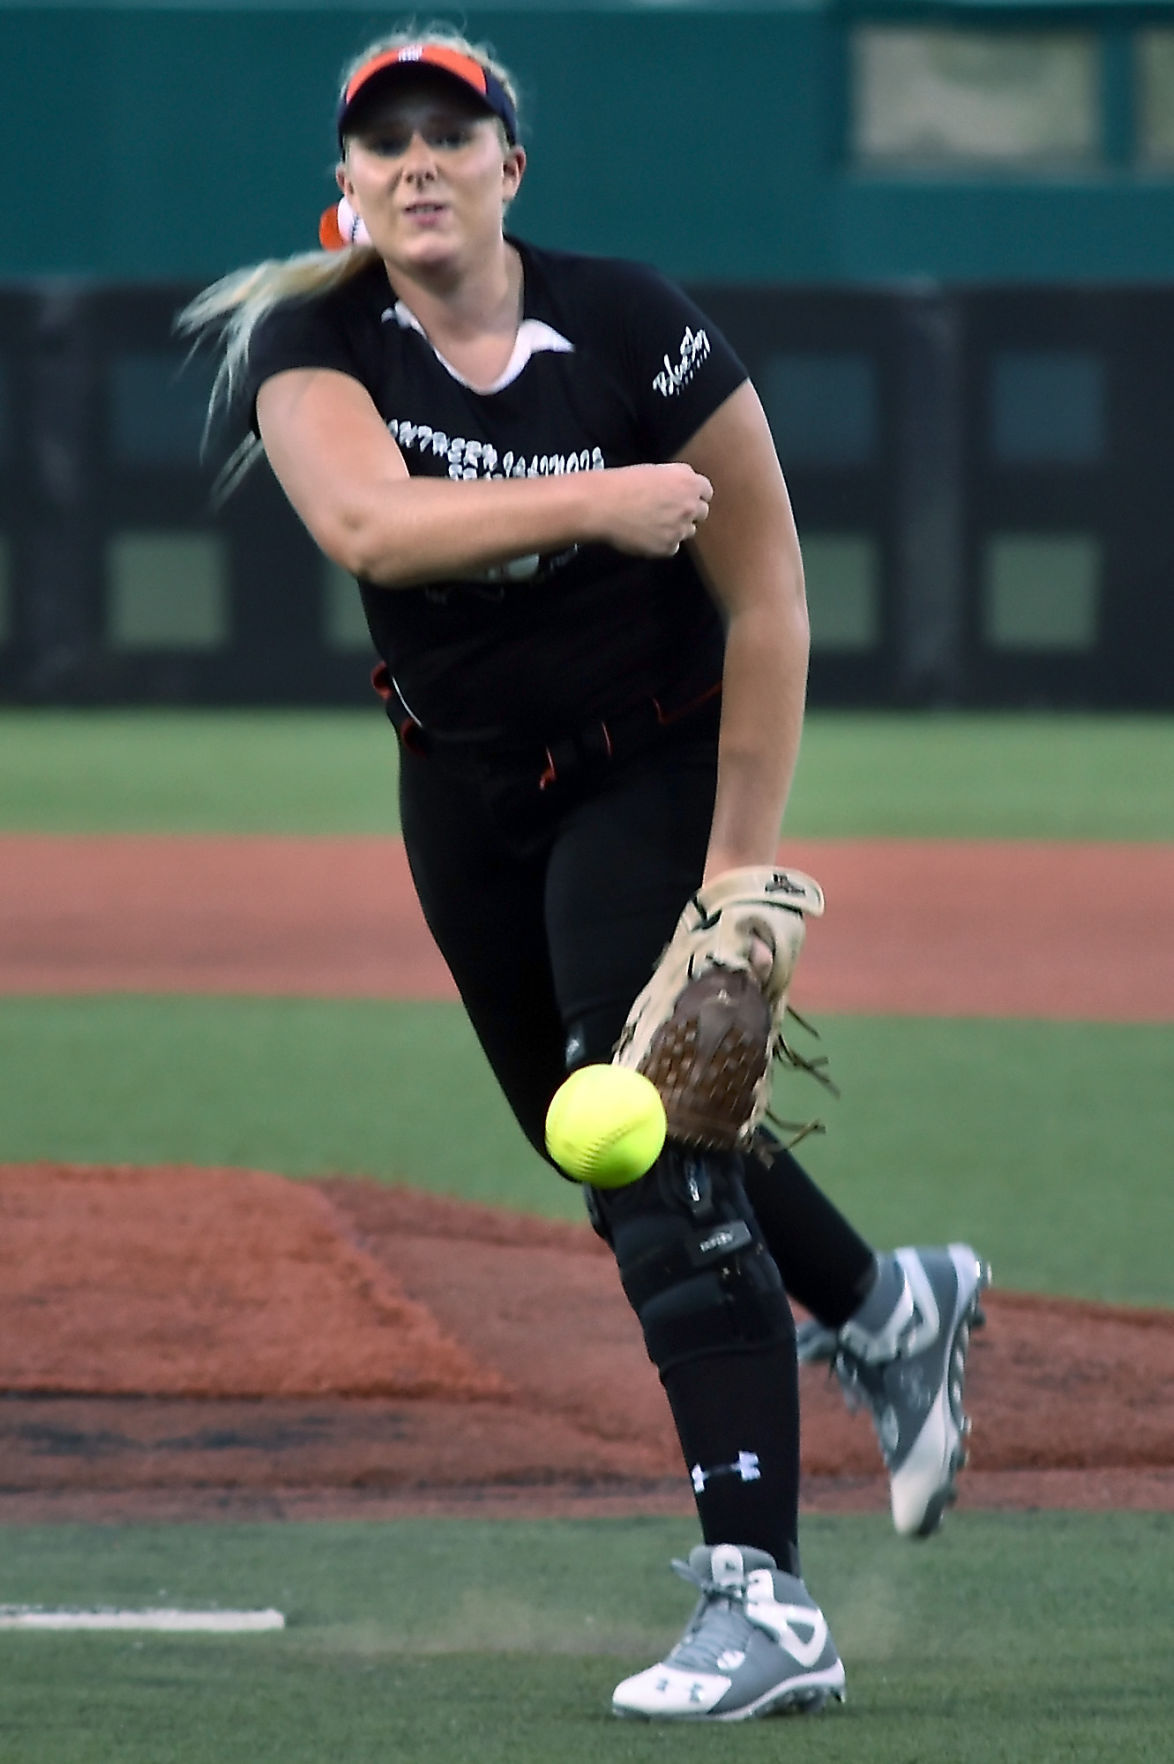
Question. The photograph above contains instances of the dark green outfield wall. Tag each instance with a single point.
(175, 141)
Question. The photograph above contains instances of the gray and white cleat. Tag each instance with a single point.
(756, 1644)
(908, 1368)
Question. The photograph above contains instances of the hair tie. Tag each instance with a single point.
(340, 226)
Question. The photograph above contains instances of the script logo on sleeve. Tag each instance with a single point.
(675, 375)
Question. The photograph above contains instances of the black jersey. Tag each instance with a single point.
(614, 366)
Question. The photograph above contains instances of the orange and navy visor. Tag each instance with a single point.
(470, 73)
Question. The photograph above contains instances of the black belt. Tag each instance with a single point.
(601, 740)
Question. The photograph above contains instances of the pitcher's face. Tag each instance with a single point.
(431, 175)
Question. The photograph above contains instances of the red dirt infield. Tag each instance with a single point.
(196, 1342)
(184, 1343)
(934, 928)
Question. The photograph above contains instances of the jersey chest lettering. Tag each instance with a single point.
(466, 458)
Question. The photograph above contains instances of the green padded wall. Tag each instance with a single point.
(167, 141)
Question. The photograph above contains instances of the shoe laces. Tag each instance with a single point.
(881, 1387)
(718, 1629)
(864, 1388)
(855, 1370)
(861, 1383)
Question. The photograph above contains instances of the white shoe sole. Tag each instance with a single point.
(806, 1696)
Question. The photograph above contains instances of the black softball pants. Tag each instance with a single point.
(551, 908)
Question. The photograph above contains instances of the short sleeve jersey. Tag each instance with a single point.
(613, 366)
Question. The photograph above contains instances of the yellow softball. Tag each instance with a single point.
(605, 1125)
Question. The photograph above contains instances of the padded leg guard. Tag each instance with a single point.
(692, 1260)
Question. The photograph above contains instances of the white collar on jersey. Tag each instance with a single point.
(533, 338)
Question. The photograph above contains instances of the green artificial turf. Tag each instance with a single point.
(1013, 1636)
(927, 775)
(942, 775)
(1043, 1143)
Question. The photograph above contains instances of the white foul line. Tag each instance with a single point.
(173, 1622)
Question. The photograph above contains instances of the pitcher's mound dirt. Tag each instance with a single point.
(177, 1341)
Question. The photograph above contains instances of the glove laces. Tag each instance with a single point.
(815, 1067)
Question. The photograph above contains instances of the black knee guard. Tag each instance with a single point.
(692, 1260)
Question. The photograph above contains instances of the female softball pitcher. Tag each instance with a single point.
(559, 495)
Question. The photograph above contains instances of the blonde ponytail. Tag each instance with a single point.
(232, 308)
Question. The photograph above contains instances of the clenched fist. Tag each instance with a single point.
(650, 510)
